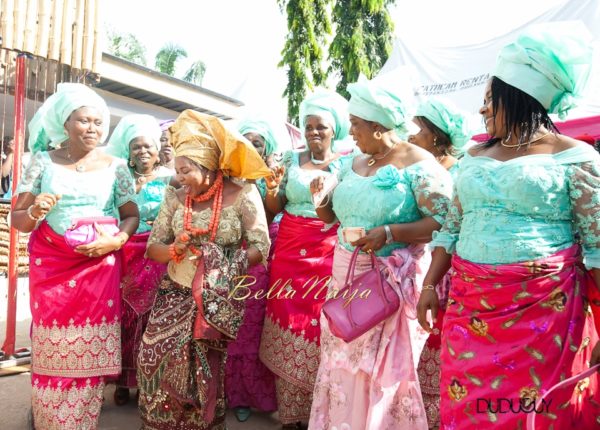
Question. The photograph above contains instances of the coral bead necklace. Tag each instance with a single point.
(216, 193)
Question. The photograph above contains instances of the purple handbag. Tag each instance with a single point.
(350, 320)
(83, 231)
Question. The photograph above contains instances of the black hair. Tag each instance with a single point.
(522, 113)
(442, 140)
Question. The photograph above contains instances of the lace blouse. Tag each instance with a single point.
(525, 208)
(391, 196)
(244, 221)
(84, 194)
(296, 185)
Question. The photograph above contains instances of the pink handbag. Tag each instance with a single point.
(350, 320)
(83, 231)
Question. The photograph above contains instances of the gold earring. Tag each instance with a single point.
(435, 141)
(131, 163)
(377, 135)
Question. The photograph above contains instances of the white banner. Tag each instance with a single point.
(460, 73)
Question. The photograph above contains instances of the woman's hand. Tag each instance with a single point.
(428, 301)
(276, 177)
(43, 203)
(316, 185)
(373, 241)
(104, 244)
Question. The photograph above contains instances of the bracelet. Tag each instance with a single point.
(273, 191)
(122, 239)
(428, 287)
(388, 234)
(33, 217)
(177, 258)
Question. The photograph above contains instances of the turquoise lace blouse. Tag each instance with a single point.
(391, 196)
(84, 194)
(149, 199)
(296, 183)
(525, 208)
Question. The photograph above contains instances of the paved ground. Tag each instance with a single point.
(15, 389)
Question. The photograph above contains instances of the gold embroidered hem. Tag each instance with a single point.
(77, 350)
(428, 371)
(72, 408)
(289, 355)
(293, 403)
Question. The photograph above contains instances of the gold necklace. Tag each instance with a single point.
(518, 145)
(142, 176)
(373, 160)
(79, 165)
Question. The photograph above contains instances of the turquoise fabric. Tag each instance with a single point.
(330, 106)
(525, 208)
(391, 196)
(447, 118)
(275, 139)
(84, 194)
(296, 184)
(454, 170)
(549, 61)
(47, 127)
(149, 199)
(377, 101)
(130, 127)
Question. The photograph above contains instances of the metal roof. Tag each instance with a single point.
(151, 97)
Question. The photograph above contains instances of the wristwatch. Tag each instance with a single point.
(388, 234)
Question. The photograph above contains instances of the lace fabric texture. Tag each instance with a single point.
(525, 208)
(296, 184)
(84, 194)
(243, 221)
(406, 195)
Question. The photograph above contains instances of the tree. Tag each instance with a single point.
(309, 25)
(126, 46)
(195, 73)
(363, 39)
(167, 57)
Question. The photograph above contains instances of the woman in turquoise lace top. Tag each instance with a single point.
(303, 254)
(74, 292)
(525, 204)
(136, 139)
(443, 132)
(398, 193)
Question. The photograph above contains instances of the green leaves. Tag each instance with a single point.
(362, 43)
(167, 56)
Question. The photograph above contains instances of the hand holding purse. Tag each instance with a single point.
(349, 320)
(83, 230)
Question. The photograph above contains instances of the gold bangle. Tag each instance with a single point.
(273, 191)
(428, 287)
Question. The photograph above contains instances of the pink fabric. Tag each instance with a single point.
(75, 307)
(141, 277)
(248, 382)
(371, 382)
(510, 333)
(303, 254)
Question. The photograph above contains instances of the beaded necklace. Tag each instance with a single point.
(215, 192)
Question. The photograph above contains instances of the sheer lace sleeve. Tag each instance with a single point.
(448, 235)
(31, 181)
(287, 162)
(254, 223)
(124, 187)
(432, 187)
(584, 181)
(162, 228)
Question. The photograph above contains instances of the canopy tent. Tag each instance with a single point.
(459, 73)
